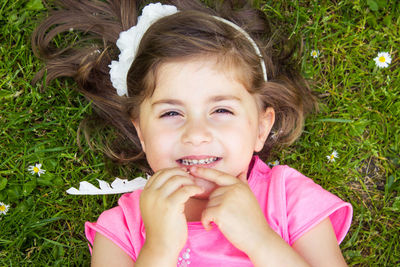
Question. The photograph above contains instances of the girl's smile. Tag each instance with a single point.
(203, 161)
(200, 114)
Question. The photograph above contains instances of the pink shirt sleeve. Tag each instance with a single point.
(111, 224)
(121, 224)
(308, 204)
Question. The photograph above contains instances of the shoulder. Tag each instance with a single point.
(128, 208)
(308, 204)
(289, 182)
(294, 203)
(122, 224)
(280, 177)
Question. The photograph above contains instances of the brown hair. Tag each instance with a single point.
(192, 32)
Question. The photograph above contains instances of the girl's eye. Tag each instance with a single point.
(169, 114)
(223, 110)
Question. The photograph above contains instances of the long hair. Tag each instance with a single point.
(191, 33)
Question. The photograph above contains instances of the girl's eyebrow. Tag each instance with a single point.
(178, 102)
(218, 98)
(167, 101)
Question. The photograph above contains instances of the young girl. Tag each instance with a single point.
(197, 94)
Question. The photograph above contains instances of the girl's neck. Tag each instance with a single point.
(194, 208)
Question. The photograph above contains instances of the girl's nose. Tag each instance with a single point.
(196, 132)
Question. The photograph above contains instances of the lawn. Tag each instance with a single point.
(359, 118)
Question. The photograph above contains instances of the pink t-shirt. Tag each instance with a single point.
(292, 204)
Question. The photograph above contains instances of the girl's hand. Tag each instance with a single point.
(234, 208)
(162, 204)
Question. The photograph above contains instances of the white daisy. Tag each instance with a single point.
(3, 208)
(274, 163)
(36, 169)
(331, 157)
(314, 53)
(383, 59)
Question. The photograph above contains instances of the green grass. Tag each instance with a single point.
(359, 117)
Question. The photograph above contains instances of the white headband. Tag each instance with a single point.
(253, 43)
(128, 43)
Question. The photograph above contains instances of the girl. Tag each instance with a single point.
(198, 94)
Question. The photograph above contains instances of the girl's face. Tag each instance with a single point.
(201, 115)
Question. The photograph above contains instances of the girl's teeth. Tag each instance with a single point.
(200, 161)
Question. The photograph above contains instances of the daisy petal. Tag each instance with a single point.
(383, 60)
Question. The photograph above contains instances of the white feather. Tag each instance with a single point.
(118, 186)
(104, 185)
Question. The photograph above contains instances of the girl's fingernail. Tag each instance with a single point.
(193, 169)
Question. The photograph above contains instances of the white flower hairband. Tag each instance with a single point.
(128, 43)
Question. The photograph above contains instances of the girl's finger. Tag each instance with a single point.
(209, 215)
(150, 180)
(181, 195)
(174, 183)
(218, 177)
(219, 191)
(215, 201)
(160, 177)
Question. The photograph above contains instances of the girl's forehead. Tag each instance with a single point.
(201, 70)
(197, 75)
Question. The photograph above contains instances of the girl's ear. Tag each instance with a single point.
(139, 134)
(266, 121)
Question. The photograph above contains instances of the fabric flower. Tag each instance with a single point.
(3, 208)
(383, 59)
(36, 169)
(331, 157)
(128, 43)
(314, 53)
